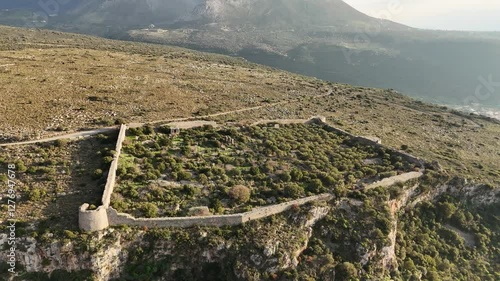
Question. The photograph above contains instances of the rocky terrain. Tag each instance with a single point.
(336, 240)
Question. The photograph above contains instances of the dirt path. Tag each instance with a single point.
(65, 136)
(45, 45)
(469, 238)
(136, 125)
(395, 179)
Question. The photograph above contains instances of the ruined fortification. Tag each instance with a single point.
(105, 216)
(92, 220)
(116, 218)
(369, 141)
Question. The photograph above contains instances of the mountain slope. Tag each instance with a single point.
(275, 13)
(145, 83)
(83, 81)
(281, 13)
(327, 39)
(321, 38)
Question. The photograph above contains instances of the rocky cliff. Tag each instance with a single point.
(361, 230)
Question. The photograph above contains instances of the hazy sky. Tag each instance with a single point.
(433, 14)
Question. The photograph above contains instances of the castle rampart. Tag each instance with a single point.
(105, 216)
(116, 218)
(93, 220)
(111, 181)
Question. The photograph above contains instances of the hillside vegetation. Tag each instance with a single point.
(443, 226)
(90, 82)
(233, 169)
(107, 82)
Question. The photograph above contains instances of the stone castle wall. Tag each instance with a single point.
(262, 212)
(111, 181)
(94, 220)
(105, 216)
(116, 218)
(395, 179)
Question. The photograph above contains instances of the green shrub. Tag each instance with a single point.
(346, 271)
(315, 186)
(285, 177)
(20, 166)
(61, 142)
(135, 131)
(239, 193)
(46, 262)
(107, 159)
(98, 173)
(183, 175)
(389, 174)
(150, 210)
(217, 206)
(203, 179)
(70, 234)
(293, 190)
(36, 194)
(120, 121)
(148, 130)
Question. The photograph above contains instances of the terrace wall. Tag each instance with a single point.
(116, 218)
(111, 181)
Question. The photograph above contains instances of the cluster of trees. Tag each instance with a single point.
(449, 240)
(355, 228)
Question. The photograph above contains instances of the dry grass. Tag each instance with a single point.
(55, 87)
(59, 178)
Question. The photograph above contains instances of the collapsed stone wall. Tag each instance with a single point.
(360, 139)
(368, 141)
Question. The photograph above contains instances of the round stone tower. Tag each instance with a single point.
(92, 220)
